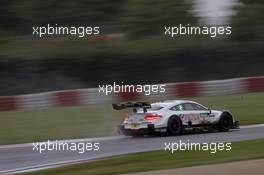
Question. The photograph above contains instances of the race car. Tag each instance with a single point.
(173, 117)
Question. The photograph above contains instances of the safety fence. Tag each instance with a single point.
(89, 96)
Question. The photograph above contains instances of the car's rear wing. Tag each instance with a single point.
(134, 105)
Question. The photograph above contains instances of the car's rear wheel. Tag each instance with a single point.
(174, 126)
(225, 123)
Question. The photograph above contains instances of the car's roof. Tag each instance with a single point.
(172, 102)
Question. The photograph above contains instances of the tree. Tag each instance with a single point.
(248, 24)
(149, 17)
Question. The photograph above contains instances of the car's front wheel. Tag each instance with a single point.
(225, 123)
(174, 126)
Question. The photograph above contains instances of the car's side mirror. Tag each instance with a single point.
(210, 111)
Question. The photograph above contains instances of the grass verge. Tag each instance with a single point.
(159, 160)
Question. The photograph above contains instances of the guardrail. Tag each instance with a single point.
(79, 97)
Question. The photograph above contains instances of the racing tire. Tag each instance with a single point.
(174, 126)
(225, 123)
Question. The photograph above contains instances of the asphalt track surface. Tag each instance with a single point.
(21, 158)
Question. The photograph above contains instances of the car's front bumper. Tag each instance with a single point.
(235, 125)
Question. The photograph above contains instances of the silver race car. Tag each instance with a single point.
(173, 117)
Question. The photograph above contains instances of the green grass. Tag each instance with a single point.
(101, 120)
(158, 160)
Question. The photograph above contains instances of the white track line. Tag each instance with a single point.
(44, 166)
(252, 126)
(100, 138)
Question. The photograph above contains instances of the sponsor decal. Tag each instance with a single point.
(189, 117)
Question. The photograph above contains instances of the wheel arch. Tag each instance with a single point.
(228, 113)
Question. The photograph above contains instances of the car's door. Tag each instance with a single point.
(191, 115)
(192, 112)
(187, 113)
(203, 112)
